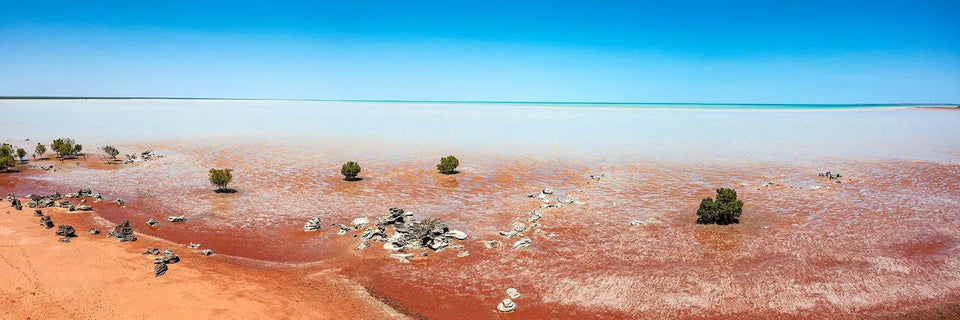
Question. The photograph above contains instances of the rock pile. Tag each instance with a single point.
(167, 257)
(83, 193)
(43, 201)
(832, 176)
(409, 234)
(123, 232)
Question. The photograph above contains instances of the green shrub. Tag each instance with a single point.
(725, 210)
(448, 165)
(21, 153)
(64, 147)
(350, 170)
(220, 178)
(6, 157)
(111, 152)
(39, 150)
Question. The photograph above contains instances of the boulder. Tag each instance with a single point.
(522, 243)
(122, 232)
(160, 269)
(176, 218)
(167, 257)
(312, 225)
(513, 293)
(15, 203)
(46, 222)
(66, 230)
(506, 305)
(37, 213)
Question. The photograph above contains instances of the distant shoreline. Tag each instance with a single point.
(617, 105)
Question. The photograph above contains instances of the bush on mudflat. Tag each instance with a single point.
(725, 210)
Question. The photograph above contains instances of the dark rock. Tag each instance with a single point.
(168, 257)
(160, 269)
(122, 232)
(312, 225)
(46, 222)
(16, 204)
(153, 223)
(120, 201)
(152, 250)
(66, 230)
(37, 213)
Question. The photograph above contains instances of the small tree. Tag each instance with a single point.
(64, 147)
(448, 165)
(220, 178)
(350, 170)
(39, 150)
(725, 210)
(6, 157)
(21, 153)
(111, 152)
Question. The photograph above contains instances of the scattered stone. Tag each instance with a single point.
(64, 240)
(360, 222)
(509, 234)
(312, 225)
(122, 232)
(565, 200)
(152, 250)
(46, 222)
(547, 190)
(637, 223)
(513, 293)
(519, 226)
(167, 257)
(176, 218)
(456, 234)
(15, 203)
(84, 207)
(71, 209)
(120, 201)
(66, 230)
(815, 188)
(206, 252)
(831, 176)
(462, 254)
(193, 245)
(160, 269)
(343, 229)
(522, 243)
(402, 257)
(364, 243)
(37, 213)
(491, 244)
(153, 223)
(506, 305)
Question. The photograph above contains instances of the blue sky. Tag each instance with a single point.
(630, 51)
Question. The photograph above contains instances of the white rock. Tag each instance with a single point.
(548, 190)
(456, 234)
(637, 223)
(522, 243)
(513, 293)
(462, 254)
(519, 226)
(506, 305)
(359, 222)
(402, 257)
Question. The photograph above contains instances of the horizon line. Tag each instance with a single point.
(465, 101)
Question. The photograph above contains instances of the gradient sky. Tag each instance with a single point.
(615, 51)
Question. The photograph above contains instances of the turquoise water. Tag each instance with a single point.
(627, 132)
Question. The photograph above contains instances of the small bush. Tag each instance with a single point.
(448, 165)
(725, 210)
(350, 170)
(64, 147)
(111, 152)
(220, 178)
(39, 150)
(21, 153)
(6, 157)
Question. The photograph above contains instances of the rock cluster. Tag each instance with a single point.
(15, 203)
(43, 201)
(84, 193)
(167, 257)
(409, 234)
(507, 304)
(832, 176)
(122, 232)
(66, 230)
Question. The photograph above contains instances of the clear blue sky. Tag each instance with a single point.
(636, 51)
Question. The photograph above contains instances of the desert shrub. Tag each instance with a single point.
(725, 210)
(64, 147)
(448, 165)
(111, 152)
(21, 153)
(220, 178)
(39, 150)
(350, 170)
(77, 148)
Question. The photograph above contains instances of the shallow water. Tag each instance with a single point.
(688, 133)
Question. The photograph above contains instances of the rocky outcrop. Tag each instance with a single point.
(66, 230)
(312, 225)
(46, 222)
(176, 218)
(360, 222)
(408, 233)
(167, 257)
(122, 232)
